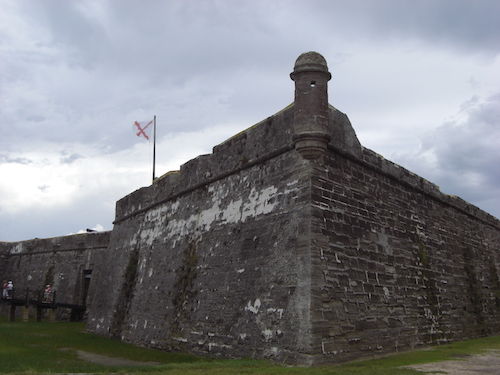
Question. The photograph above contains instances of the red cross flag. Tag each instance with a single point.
(143, 128)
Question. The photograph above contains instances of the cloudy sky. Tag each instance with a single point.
(419, 80)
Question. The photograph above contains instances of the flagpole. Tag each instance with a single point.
(154, 148)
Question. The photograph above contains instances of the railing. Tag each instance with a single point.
(39, 299)
(29, 297)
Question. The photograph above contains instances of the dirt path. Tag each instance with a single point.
(488, 363)
(99, 359)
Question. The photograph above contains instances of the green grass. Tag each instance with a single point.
(51, 347)
(45, 347)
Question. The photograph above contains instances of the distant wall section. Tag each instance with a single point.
(66, 263)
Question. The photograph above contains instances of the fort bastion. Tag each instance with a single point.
(290, 241)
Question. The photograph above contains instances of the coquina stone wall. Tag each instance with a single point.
(396, 263)
(65, 263)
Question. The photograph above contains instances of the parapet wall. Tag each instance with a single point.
(394, 171)
(242, 151)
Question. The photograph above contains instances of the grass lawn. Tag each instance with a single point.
(45, 347)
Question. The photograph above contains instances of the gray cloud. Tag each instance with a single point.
(43, 188)
(470, 141)
(8, 160)
(462, 25)
(67, 158)
(76, 74)
(59, 221)
(463, 154)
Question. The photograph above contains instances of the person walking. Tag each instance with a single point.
(10, 289)
(47, 294)
(4, 289)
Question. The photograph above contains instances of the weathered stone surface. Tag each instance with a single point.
(401, 264)
(216, 272)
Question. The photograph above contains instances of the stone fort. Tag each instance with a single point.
(290, 241)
